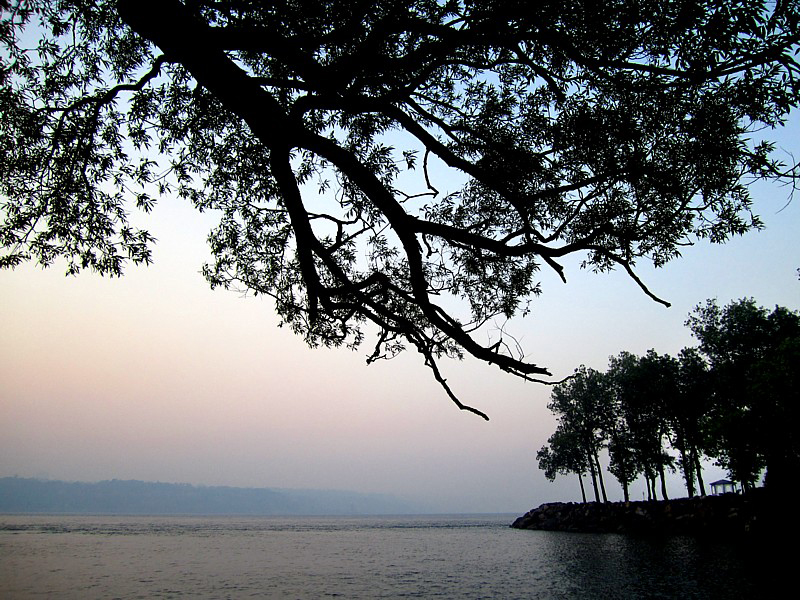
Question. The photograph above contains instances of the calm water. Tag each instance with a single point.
(373, 557)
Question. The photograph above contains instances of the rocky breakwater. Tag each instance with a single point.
(727, 515)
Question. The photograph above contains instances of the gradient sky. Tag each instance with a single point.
(156, 377)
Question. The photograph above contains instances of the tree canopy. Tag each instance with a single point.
(754, 357)
(409, 164)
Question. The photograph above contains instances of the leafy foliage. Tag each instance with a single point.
(583, 410)
(752, 354)
(318, 132)
(643, 388)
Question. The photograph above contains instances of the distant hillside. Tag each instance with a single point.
(21, 495)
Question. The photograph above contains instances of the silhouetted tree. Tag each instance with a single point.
(581, 405)
(623, 463)
(776, 381)
(639, 387)
(563, 454)
(688, 413)
(660, 374)
(322, 131)
(754, 368)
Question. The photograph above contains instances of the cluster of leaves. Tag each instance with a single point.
(616, 130)
(732, 399)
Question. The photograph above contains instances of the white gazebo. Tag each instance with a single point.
(723, 486)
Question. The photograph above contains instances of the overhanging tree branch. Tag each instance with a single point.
(618, 133)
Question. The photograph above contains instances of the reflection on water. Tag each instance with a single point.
(617, 566)
(373, 557)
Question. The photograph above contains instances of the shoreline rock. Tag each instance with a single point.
(726, 515)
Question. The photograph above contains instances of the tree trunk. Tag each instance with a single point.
(583, 490)
(600, 476)
(687, 466)
(698, 469)
(625, 492)
(663, 482)
(594, 477)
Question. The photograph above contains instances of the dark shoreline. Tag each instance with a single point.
(728, 515)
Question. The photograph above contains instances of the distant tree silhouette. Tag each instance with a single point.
(623, 463)
(581, 405)
(409, 164)
(754, 358)
(563, 454)
(641, 386)
(688, 413)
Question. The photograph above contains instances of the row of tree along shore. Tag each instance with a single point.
(732, 399)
